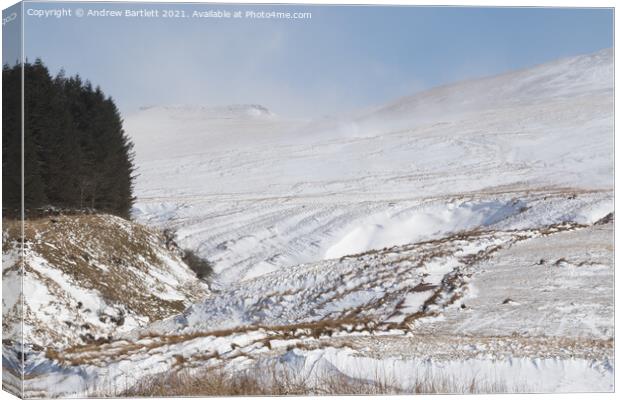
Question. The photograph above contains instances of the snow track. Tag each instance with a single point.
(463, 232)
(392, 308)
(255, 192)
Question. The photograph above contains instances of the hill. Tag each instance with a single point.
(89, 277)
(456, 240)
(256, 194)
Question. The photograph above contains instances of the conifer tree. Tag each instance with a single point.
(11, 139)
(76, 154)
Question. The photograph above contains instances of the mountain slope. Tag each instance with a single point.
(464, 233)
(478, 306)
(198, 128)
(89, 277)
(588, 74)
(258, 194)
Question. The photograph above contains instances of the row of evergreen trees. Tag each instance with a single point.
(76, 154)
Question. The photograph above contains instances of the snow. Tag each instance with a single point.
(572, 298)
(594, 212)
(281, 208)
(409, 226)
(60, 292)
(455, 234)
(511, 375)
(254, 194)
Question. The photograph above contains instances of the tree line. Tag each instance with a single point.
(75, 152)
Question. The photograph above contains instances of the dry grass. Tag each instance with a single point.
(356, 319)
(76, 244)
(274, 381)
(103, 254)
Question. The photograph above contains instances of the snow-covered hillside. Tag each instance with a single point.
(189, 130)
(464, 234)
(254, 192)
(586, 75)
(515, 310)
(89, 277)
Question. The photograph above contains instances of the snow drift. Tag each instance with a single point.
(255, 192)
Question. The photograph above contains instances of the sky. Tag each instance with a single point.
(344, 58)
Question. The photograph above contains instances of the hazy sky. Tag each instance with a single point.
(342, 59)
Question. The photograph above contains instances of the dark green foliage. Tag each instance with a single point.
(11, 139)
(76, 154)
(201, 267)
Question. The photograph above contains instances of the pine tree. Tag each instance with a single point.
(76, 154)
(37, 90)
(11, 139)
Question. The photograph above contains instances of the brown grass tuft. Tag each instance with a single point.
(274, 381)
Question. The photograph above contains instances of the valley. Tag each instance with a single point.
(461, 238)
